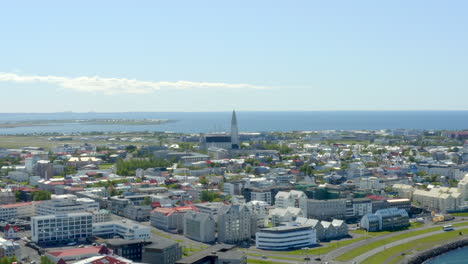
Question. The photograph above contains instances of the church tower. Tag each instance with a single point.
(234, 131)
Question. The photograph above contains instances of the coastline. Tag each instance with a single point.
(437, 250)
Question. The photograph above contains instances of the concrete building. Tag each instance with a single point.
(234, 224)
(404, 190)
(261, 195)
(125, 229)
(7, 196)
(129, 249)
(292, 198)
(259, 210)
(385, 219)
(440, 199)
(233, 188)
(199, 226)
(325, 230)
(73, 254)
(326, 209)
(65, 204)
(285, 237)
(170, 219)
(9, 248)
(463, 184)
(24, 210)
(61, 228)
(217, 254)
(356, 208)
(282, 215)
(163, 251)
(371, 183)
(210, 208)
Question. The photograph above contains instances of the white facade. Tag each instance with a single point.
(66, 203)
(59, 228)
(17, 210)
(259, 210)
(279, 215)
(371, 183)
(441, 199)
(293, 198)
(285, 237)
(126, 229)
(463, 187)
(261, 196)
(10, 248)
(234, 224)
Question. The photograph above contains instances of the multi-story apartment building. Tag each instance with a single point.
(125, 228)
(66, 203)
(170, 219)
(280, 215)
(292, 198)
(9, 248)
(440, 199)
(233, 188)
(259, 210)
(18, 210)
(199, 226)
(210, 208)
(261, 195)
(326, 209)
(61, 228)
(234, 224)
(7, 196)
(356, 208)
(385, 219)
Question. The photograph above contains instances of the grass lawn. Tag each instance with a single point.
(363, 249)
(266, 261)
(105, 166)
(460, 214)
(419, 244)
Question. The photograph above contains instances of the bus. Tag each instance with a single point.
(447, 228)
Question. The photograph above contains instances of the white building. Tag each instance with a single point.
(234, 224)
(259, 210)
(404, 190)
(61, 228)
(371, 183)
(279, 215)
(66, 203)
(285, 237)
(261, 195)
(10, 248)
(18, 210)
(125, 228)
(463, 186)
(441, 199)
(292, 198)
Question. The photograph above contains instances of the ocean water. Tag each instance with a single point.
(457, 256)
(196, 122)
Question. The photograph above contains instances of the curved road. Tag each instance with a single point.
(333, 254)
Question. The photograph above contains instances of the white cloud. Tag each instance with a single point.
(118, 85)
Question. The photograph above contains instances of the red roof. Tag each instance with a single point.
(107, 260)
(180, 209)
(17, 204)
(155, 204)
(76, 251)
(26, 189)
(374, 197)
(8, 227)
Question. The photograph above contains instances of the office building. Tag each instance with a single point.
(385, 219)
(61, 228)
(285, 237)
(163, 251)
(65, 204)
(199, 226)
(292, 198)
(125, 229)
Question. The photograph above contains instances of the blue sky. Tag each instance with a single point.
(111, 56)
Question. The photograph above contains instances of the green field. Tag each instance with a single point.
(258, 261)
(460, 214)
(396, 253)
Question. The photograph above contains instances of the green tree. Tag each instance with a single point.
(41, 195)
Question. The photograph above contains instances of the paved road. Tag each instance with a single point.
(362, 257)
(333, 254)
